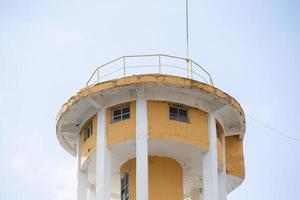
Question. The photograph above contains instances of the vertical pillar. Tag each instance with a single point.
(141, 146)
(222, 179)
(222, 185)
(103, 160)
(91, 194)
(210, 163)
(195, 194)
(82, 179)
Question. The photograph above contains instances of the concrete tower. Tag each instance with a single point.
(153, 127)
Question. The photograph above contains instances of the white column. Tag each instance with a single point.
(195, 194)
(210, 163)
(141, 147)
(103, 160)
(91, 194)
(82, 179)
(222, 185)
(222, 174)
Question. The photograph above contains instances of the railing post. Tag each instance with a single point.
(159, 64)
(211, 81)
(124, 66)
(98, 76)
(187, 68)
(191, 67)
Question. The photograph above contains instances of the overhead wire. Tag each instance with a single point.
(273, 129)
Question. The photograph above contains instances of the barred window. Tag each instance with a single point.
(121, 113)
(125, 186)
(178, 113)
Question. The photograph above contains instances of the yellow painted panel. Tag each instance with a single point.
(195, 132)
(165, 178)
(88, 147)
(122, 130)
(234, 156)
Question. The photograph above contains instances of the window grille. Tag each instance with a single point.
(178, 113)
(125, 186)
(87, 131)
(122, 113)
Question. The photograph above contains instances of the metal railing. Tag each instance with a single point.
(146, 64)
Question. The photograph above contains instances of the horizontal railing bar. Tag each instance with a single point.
(183, 68)
(111, 61)
(154, 55)
(103, 66)
(204, 71)
(112, 72)
(200, 76)
(137, 66)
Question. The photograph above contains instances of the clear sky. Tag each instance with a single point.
(48, 49)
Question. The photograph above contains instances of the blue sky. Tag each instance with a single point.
(48, 49)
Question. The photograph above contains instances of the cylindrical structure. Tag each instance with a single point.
(154, 137)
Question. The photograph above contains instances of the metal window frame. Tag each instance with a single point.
(179, 107)
(89, 127)
(120, 115)
(125, 187)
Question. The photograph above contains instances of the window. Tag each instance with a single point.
(87, 131)
(122, 113)
(178, 113)
(125, 186)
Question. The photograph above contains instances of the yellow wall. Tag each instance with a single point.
(122, 130)
(165, 178)
(194, 132)
(234, 156)
(88, 147)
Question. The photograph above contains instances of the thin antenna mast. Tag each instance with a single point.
(187, 27)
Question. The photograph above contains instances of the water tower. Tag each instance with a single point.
(153, 127)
